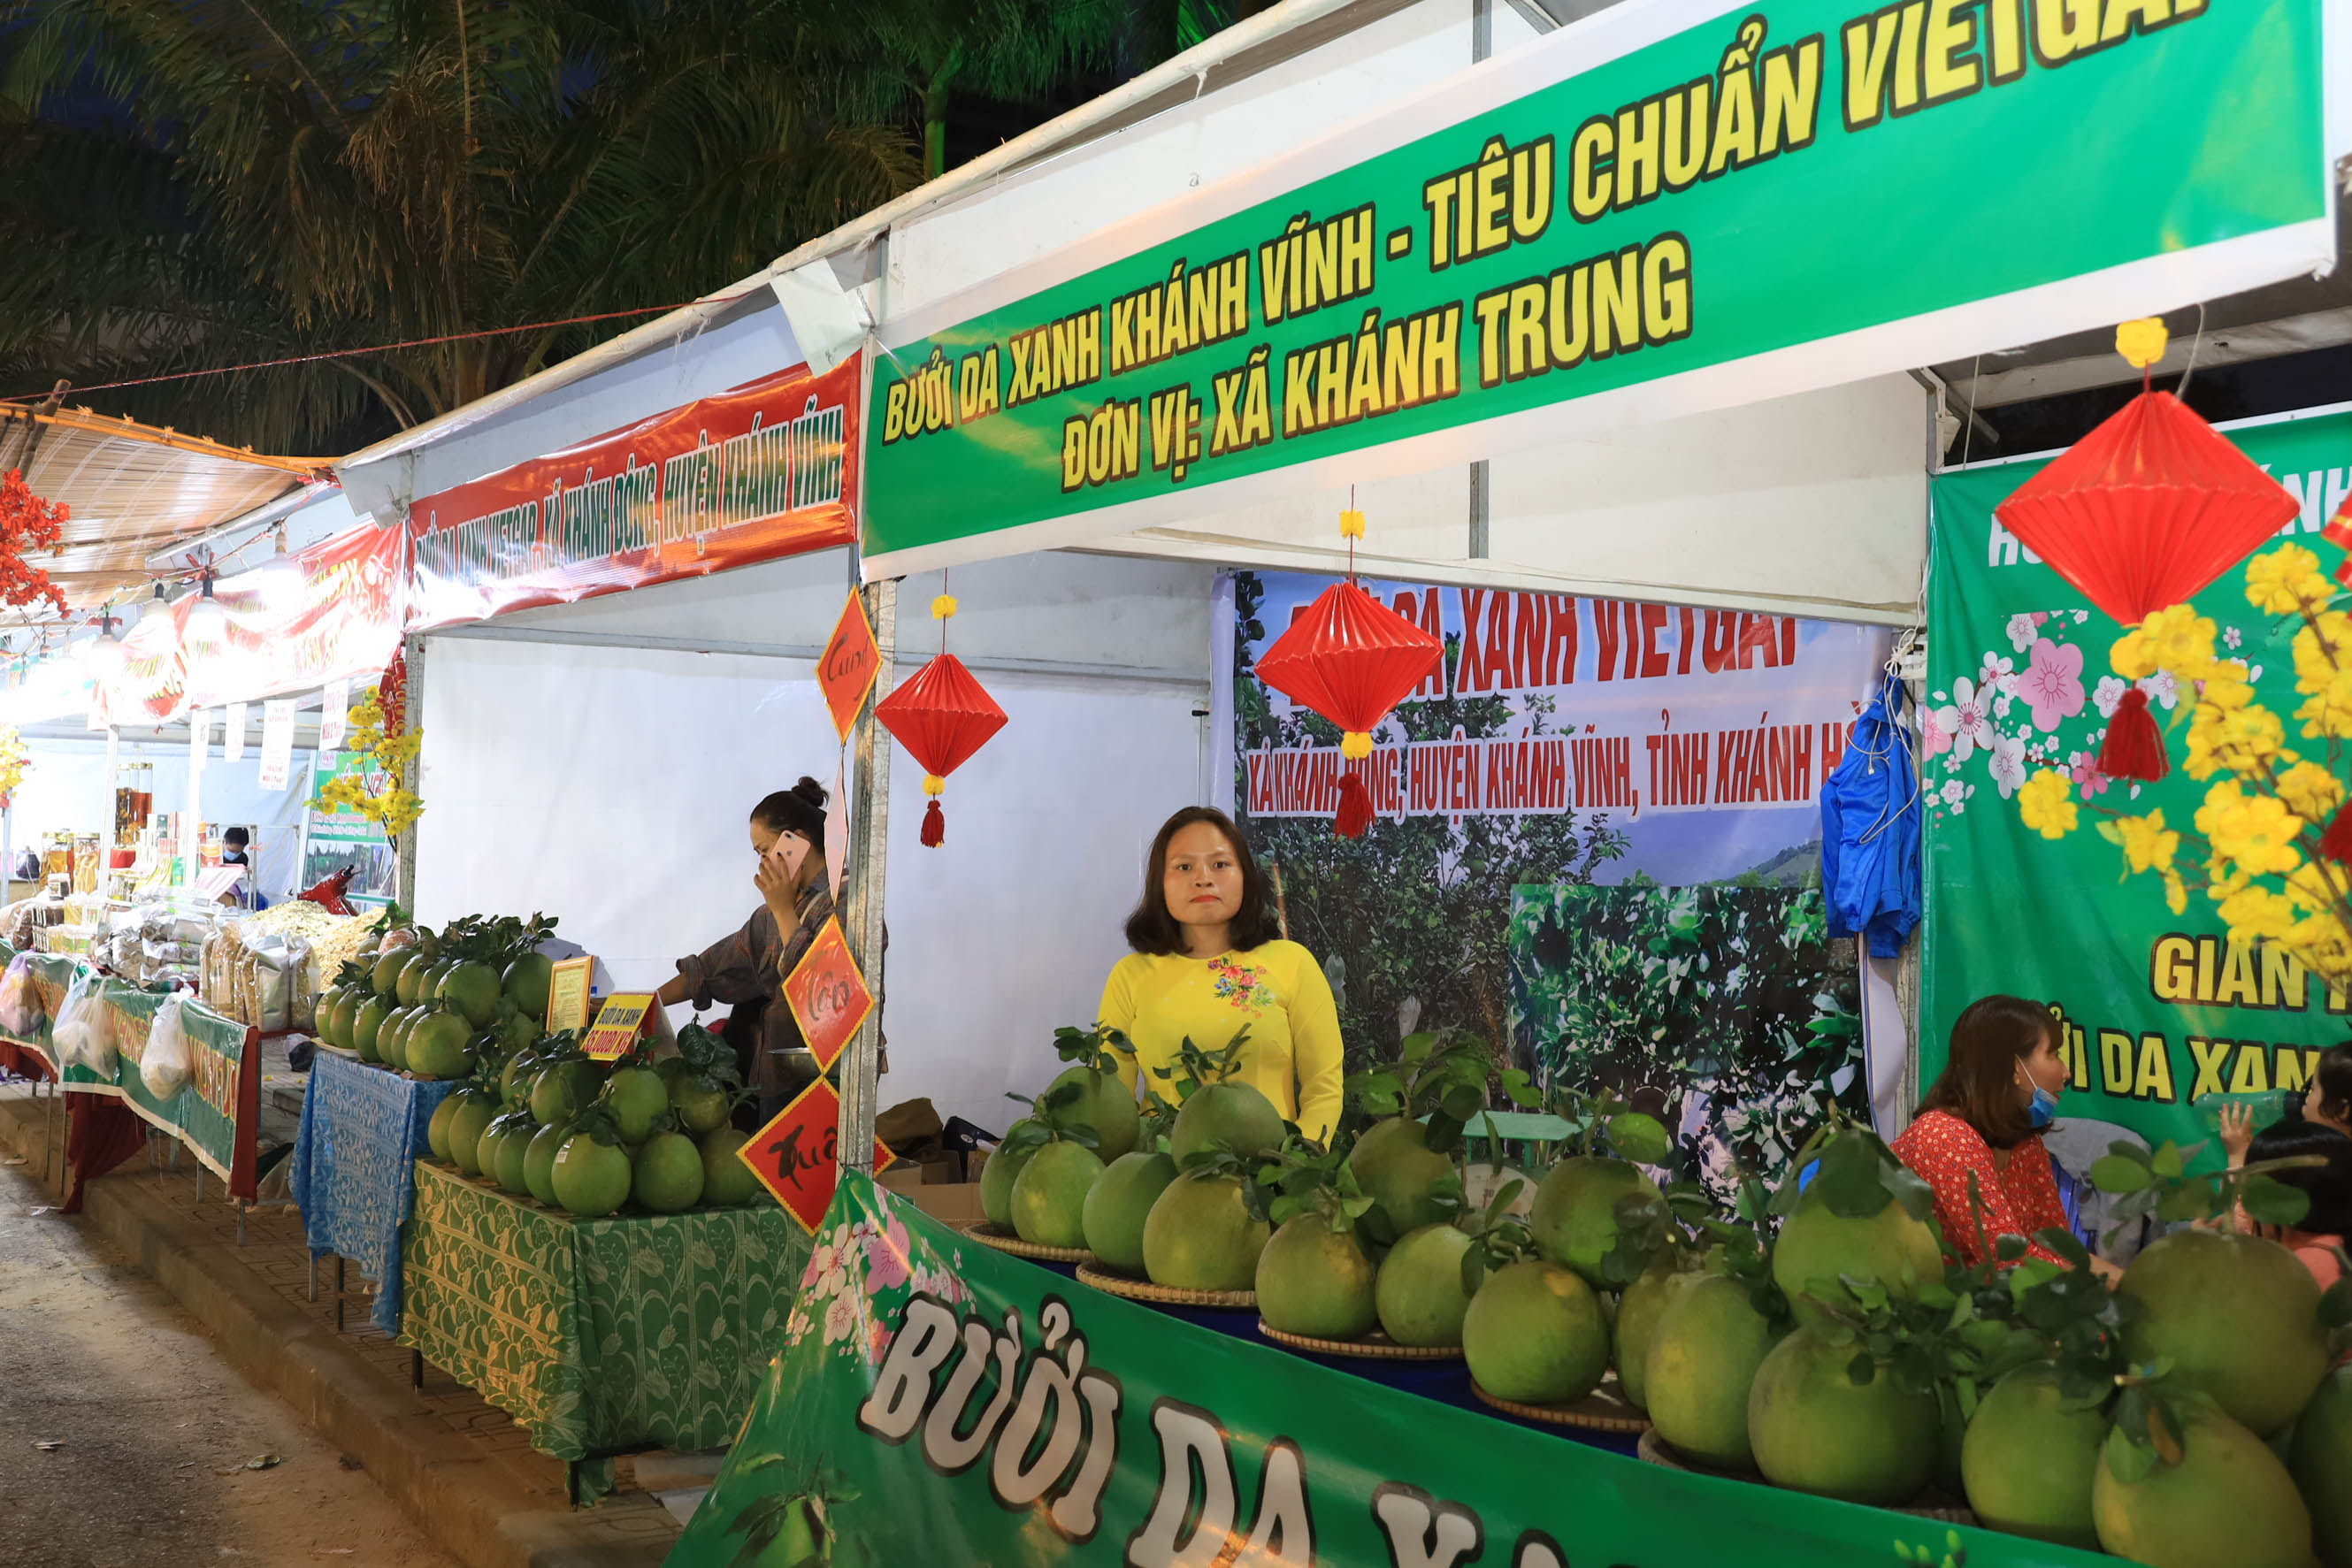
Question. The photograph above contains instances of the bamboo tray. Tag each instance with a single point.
(987, 1235)
(1091, 1272)
(1373, 1346)
(1605, 1409)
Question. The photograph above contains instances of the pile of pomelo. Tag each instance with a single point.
(1804, 1355)
(533, 1114)
(591, 1138)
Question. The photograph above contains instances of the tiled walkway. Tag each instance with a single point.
(275, 1251)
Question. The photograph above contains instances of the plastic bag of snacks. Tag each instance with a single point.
(167, 1063)
(85, 1032)
(20, 1003)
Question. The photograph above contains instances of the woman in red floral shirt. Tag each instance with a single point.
(1984, 1119)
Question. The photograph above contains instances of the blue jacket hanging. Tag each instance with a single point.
(1870, 829)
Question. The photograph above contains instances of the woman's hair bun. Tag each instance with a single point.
(809, 790)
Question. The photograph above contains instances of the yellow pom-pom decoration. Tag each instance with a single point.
(2142, 342)
(934, 785)
(1351, 524)
(943, 606)
(1355, 744)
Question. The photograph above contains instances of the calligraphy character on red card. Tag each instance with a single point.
(797, 1154)
(827, 995)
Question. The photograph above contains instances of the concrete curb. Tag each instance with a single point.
(455, 1495)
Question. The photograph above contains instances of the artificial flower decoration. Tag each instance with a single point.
(941, 716)
(1351, 659)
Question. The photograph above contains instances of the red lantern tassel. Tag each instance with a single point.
(935, 825)
(1355, 807)
(2134, 748)
(2336, 843)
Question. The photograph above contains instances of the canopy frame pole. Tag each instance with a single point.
(863, 881)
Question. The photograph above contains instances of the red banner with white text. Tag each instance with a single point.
(329, 613)
(766, 470)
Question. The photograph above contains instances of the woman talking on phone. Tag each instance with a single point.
(747, 971)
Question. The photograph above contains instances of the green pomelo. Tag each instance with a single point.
(1049, 1196)
(466, 1126)
(441, 1047)
(392, 1039)
(526, 981)
(322, 1010)
(1703, 1358)
(673, 1069)
(1120, 1202)
(1107, 1105)
(1199, 1236)
(564, 1090)
(1316, 1282)
(1397, 1169)
(2027, 1460)
(409, 979)
(2237, 1315)
(1639, 1312)
(538, 1162)
(428, 942)
(635, 1095)
(341, 1018)
(2228, 1503)
(699, 1106)
(521, 1068)
(1817, 1249)
(437, 1131)
(591, 1179)
(1575, 1215)
(367, 1027)
(385, 976)
(2321, 1463)
(1535, 1332)
(668, 1174)
(1814, 1430)
(996, 1179)
(726, 1179)
(473, 991)
(1419, 1289)
(1230, 1115)
(515, 1032)
(502, 1148)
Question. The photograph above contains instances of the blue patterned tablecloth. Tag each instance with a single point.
(355, 1167)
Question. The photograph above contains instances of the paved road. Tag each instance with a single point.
(152, 1430)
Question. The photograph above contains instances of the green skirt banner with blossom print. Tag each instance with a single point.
(2161, 1012)
(940, 1403)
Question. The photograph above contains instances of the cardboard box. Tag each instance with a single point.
(948, 1200)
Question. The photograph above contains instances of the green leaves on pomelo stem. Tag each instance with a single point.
(2269, 1201)
(1093, 1046)
(1639, 1138)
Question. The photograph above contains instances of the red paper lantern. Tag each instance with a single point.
(941, 716)
(2148, 510)
(1351, 659)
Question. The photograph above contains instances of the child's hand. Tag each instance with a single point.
(2237, 1131)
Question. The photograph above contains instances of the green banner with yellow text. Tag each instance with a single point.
(1679, 207)
(2160, 1009)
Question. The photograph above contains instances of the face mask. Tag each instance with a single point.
(2044, 1106)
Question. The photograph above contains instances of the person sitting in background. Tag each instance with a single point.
(1983, 1119)
(235, 847)
(2319, 1236)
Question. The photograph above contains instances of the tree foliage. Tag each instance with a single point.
(268, 178)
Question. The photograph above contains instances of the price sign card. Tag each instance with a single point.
(567, 994)
(617, 1025)
(849, 666)
(827, 995)
(797, 1154)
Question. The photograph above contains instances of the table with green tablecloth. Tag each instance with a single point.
(598, 1336)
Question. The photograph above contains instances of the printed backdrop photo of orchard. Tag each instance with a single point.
(1731, 1002)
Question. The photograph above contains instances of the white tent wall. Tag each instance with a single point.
(1813, 504)
(588, 761)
